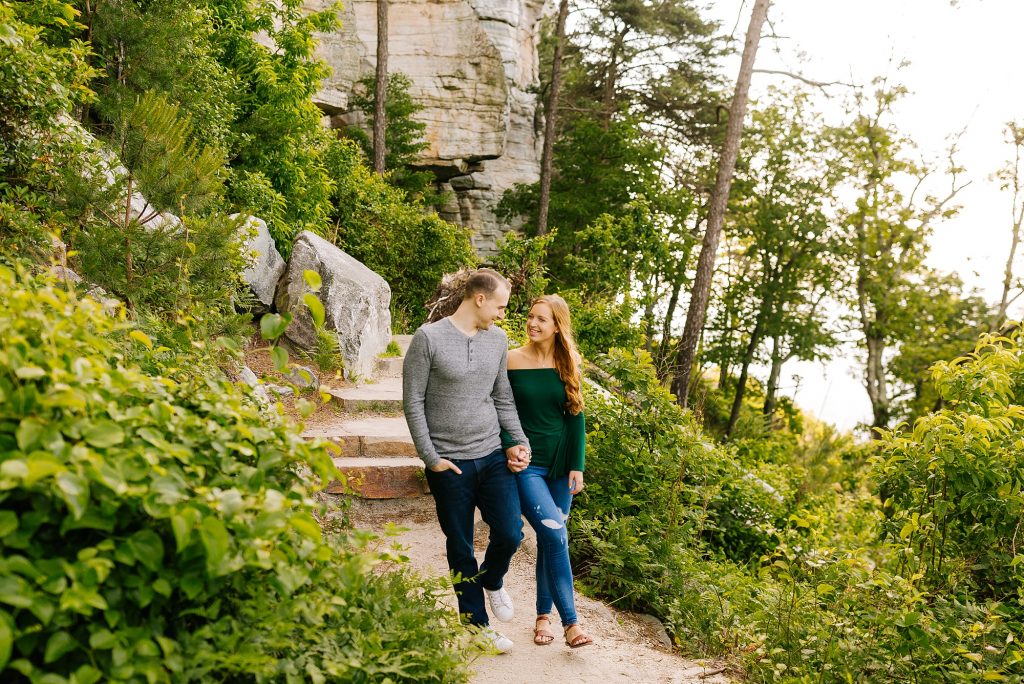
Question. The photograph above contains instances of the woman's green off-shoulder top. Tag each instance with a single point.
(558, 438)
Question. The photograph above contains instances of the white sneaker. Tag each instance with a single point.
(501, 604)
(500, 642)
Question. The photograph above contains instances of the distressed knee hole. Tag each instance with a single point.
(552, 524)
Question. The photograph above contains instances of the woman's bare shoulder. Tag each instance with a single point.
(517, 359)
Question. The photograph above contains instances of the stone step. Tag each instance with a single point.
(389, 367)
(380, 478)
(378, 436)
(385, 395)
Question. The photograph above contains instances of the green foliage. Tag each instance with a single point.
(601, 323)
(153, 525)
(521, 260)
(392, 350)
(403, 134)
(407, 245)
(153, 262)
(277, 127)
(952, 483)
(40, 84)
(743, 552)
(163, 46)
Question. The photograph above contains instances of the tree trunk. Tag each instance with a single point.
(666, 329)
(381, 88)
(772, 389)
(549, 122)
(878, 390)
(1017, 216)
(748, 357)
(716, 214)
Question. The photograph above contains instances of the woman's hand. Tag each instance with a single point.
(575, 481)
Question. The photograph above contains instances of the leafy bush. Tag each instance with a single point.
(154, 526)
(741, 559)
(952, 483)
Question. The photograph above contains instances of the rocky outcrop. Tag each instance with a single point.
(356, 303)
(473, 65)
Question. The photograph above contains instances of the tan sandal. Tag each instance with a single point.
(581, 639)
(542, 636)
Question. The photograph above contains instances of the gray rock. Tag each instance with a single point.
(356, 303)
(248, 377)
(266, 267)
(65, 274)
(279, 390)
(303, 376)
(657, 629)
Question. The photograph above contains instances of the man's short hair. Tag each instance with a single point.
(484, 281)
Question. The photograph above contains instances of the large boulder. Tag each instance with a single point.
(266, 266)
(356, 303)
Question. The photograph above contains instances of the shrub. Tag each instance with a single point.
(153, 525)
(407, 245)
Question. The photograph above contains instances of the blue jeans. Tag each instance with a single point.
(485, 483)
(546, 503)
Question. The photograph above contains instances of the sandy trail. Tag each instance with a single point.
(626, 649)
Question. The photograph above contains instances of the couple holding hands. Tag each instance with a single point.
(502, 431)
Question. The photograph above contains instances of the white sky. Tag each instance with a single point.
(965, 63)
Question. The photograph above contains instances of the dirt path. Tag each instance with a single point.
(626, 648)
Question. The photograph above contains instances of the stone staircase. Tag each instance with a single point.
(377, 455)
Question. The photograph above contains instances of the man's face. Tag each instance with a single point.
(491, 308)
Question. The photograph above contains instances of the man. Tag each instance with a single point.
(456, 401)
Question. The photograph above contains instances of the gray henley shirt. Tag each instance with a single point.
(456, 395)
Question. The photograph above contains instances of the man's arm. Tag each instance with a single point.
(415, 376)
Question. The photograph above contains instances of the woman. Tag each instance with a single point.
(546, 381)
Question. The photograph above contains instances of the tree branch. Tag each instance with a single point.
(817, 84)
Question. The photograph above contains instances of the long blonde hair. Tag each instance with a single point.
(567, 357)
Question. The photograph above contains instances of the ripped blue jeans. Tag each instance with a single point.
(546, 503)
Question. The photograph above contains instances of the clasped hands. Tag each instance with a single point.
(518, 458)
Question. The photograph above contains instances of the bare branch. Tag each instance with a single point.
(817, 84)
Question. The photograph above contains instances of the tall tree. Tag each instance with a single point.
(716, 212)
(1010, 175)
(889, 228)
(381, 88)
(780, 218)
(549, 123)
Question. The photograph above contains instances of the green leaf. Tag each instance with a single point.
(273, 326)
(58, 645)
(8, 523)
(148, 548)
(181, 525)
(28, 433)
(316, 308)
(102, 640)
(306, 525)
(75, 492)
(6, 640)
(142, 338)
(312, 279)
(280, 357)
(103, 434)
(216, 541)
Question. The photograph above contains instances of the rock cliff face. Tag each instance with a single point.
(472, 64)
